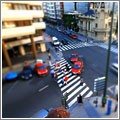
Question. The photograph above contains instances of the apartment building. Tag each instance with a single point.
(96, 22)
(53, 11)
(22, 25)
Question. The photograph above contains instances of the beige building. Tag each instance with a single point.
(22, 24)
(96, 23)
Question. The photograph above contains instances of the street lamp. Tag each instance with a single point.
(108, 59)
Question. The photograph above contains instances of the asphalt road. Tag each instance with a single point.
(22, 99)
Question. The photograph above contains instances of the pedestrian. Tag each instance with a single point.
(66, 79)
(48, 50)
(67, 67)
(81, 83)
(80, 99)
(49, 56)
(62, 81)
(49, 62)
(87, 39)
(52, 73)
(55, 75)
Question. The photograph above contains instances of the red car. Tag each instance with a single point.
(74, 57)
(41, 69)
(73, 36)
(77, 68)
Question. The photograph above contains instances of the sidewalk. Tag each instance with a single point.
(44, 56)
(89, 110)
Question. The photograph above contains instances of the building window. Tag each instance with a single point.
(96, 25)
(95, 34)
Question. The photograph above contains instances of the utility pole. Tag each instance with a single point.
(108, 59)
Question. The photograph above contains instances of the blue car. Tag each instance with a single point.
(26, 73)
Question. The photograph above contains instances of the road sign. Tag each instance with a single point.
(99, 84)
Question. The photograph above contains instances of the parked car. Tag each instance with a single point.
(74, 57)
(114, 67)
(41, 69)
(77, 68)
(73, 36)
(55, 41)
(64, 42)
(26, 73)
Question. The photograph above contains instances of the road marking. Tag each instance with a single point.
(71, 88)
(12, 86)
(70, 83)
(89, 94)
(43, 88)
(84, 91)
(76, 91)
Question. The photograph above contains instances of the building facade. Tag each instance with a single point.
(96, 22)
(22, 25)
(53, 11)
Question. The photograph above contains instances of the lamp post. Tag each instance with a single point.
(108, 59)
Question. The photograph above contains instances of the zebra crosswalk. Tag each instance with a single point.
(73, 87)
(74, 46)
(105, 46)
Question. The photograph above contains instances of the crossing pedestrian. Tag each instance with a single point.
(66, 79)
(56, 74)
(81, 83)
(80, 99)
(67, 67)
(49, 62)
(62, 81)
(52, 73)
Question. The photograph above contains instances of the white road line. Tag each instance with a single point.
(68, 80)
(76, 91)
(89, 94)
(63, 88)
(65, 75)
(71, 88)
(43, 88)
(84, 91)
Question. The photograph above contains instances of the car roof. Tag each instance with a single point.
(39, 64)
(74, 53)
(54, 38)
(78, 63)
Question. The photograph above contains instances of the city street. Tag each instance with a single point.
(24, 98)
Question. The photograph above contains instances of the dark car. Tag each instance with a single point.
(26, 73)
(64, 42)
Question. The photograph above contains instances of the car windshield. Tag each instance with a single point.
(76, 66)
(41, 67)
(74, 56)
(56, 41)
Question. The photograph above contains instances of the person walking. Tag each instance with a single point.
(67, 67)
(56, 74)
(80, 99)
(49, 56)
(66, 79)
(62, 81)
(81, 83)
(52, 73)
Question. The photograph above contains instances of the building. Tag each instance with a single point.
(53, 12)
(96, 22)
(22, 25)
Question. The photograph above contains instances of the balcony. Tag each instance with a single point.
(37, 13)
(39, 25)
(16, 15)
(17, 32)
(101, 30)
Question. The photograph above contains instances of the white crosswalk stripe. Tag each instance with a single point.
(105, 46)
(74, 45)
(73, 87)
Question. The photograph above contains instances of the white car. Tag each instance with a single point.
(55, 41)
(114, 67)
